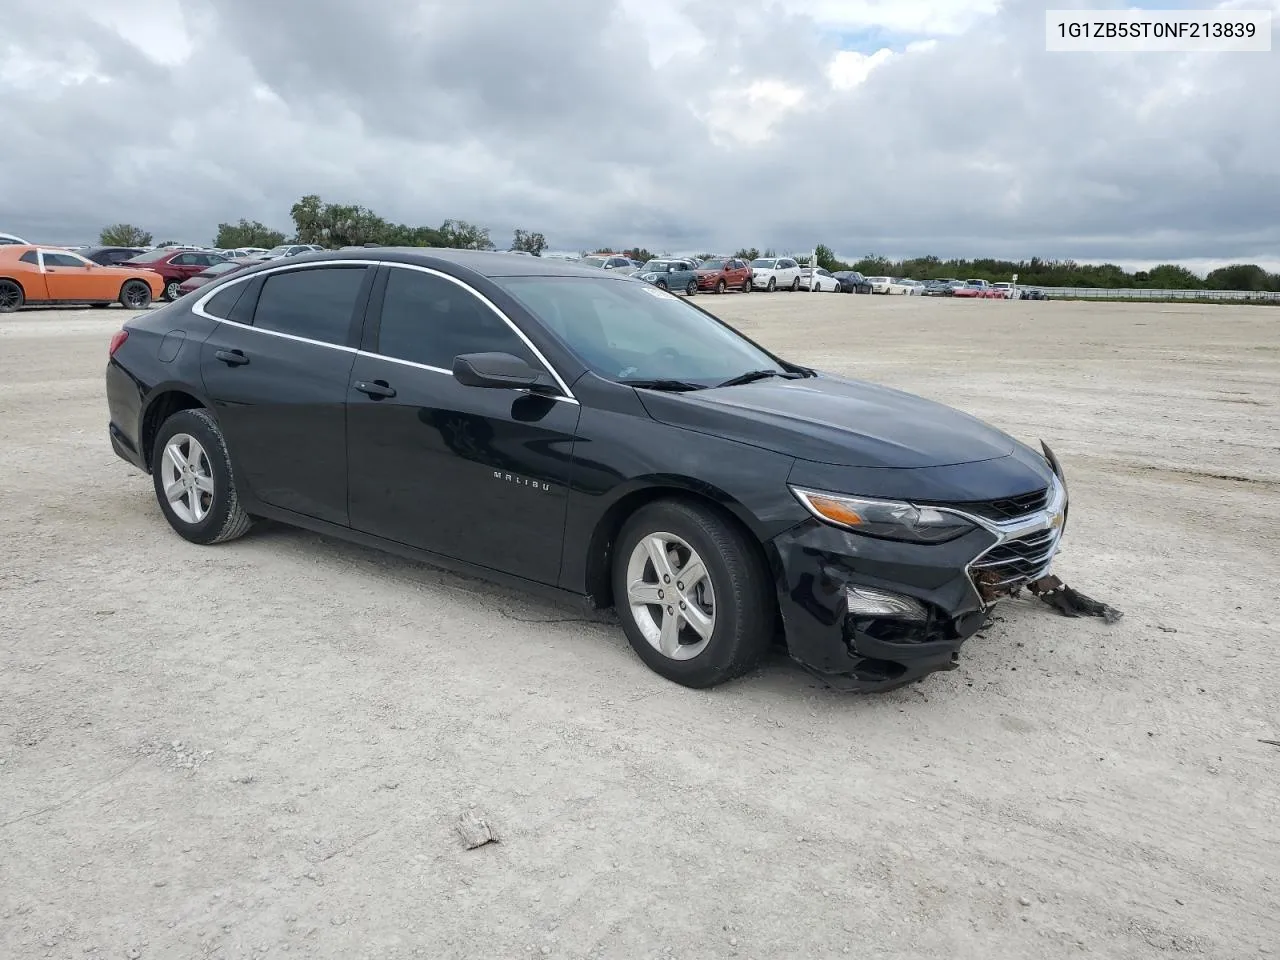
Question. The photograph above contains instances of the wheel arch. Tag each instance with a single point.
(599, 560)
(16, 281)
(165, 400)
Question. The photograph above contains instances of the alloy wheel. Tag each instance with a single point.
(171, 290)
(10, 296)
(135, 296)
(188, 478)
(671, 597)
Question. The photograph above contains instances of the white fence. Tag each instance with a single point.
(1128, 293)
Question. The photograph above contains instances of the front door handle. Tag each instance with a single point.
(232, 358)
(376, 389)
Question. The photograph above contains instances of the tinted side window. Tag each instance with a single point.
(223, 302)
(429, 320)
(28, 257)
(62, 260)
(317, 304)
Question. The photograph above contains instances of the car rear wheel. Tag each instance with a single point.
(692, 593)
(11, 296)
(171, 291)
(691, 289)
(721, 286)
(135, 295)
(194, 483)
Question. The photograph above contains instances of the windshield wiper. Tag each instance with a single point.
(672, 385)
(751, 376)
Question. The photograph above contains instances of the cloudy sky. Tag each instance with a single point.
(901, 127)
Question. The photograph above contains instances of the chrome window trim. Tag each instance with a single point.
(449, 373)
(564, 387)
(198, 308)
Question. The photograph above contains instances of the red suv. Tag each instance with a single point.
(175, 266)
(724, 274)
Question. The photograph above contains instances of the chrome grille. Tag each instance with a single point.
(1015, 561)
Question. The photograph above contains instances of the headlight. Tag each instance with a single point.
(887, 519)
(650, 277)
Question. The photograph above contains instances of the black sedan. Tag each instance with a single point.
(110, 256)
(558, 427)
(851, 281)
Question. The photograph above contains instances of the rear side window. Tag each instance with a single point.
(224, 301)
(29, 257)
(429, 320)
(317, 304)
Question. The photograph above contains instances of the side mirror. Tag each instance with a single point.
(502, 370)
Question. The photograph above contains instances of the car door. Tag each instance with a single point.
(788, 272)
(474, 473)
(68, 277)
(276, 369)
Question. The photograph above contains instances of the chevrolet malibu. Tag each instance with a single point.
(559, 428)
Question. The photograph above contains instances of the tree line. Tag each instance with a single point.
(336, 225)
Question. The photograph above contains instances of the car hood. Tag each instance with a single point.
(835, 420)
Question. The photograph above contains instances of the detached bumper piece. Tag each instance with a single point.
(1070, 603)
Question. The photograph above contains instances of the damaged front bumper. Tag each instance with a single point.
(868, 614)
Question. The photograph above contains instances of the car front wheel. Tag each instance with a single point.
(171, 291)
(193, 479)
(692, 592)
(691, 289)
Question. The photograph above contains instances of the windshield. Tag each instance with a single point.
(225, 267)
(712, 265)
(764, 264)
(593, 261)
(630, 331)
(656, 266)
(283, 248)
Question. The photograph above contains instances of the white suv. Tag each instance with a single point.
(773, 273)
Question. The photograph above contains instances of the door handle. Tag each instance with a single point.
(376, 389)
(232, 358)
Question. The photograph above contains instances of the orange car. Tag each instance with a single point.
(42, 275)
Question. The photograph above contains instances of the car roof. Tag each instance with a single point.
(486, 263)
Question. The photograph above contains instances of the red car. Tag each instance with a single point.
(724, 274)
(175, 266)
(213, 273)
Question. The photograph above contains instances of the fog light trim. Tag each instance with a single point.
(870, 602)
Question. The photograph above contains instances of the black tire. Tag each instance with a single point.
(795, 285)
(171, 292)
(135, 295)
(226, 518)
(745, 606)
(11, 296)
(772, 285)
(691, 289)
(747, 285)
(721, 286)
(661, 285)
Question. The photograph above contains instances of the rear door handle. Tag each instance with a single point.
(232, 358)
(376, 389)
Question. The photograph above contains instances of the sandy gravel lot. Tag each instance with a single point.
(261, 749)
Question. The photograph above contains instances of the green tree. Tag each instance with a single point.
(748, 254)
(638, 253)
(123, 235)
(166, 243)
(1170, 276)
(461, 235)
(533, 243)
(1238, 276)
(247, 233)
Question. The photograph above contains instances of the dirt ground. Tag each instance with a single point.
(262, 748)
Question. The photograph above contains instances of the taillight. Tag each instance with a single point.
(117, 340)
